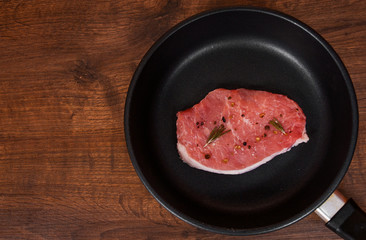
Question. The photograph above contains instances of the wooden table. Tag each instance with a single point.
(65, 68)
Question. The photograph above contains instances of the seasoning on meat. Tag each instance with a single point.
(218, 136)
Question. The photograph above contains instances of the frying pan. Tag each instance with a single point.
(254, 49)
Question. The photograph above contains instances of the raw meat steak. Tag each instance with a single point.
(256, 127)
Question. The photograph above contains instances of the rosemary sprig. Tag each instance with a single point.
(277, 125)
(217, 132)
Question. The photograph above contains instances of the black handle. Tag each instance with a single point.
(349, 222)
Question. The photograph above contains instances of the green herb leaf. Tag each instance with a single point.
(274, 122)
(217, 132)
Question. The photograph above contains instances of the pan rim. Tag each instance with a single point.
(298, 216)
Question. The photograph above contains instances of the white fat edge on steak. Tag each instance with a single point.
(193, 163)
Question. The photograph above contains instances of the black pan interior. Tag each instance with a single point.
(241, 48)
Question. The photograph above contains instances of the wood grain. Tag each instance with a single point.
(65, 68)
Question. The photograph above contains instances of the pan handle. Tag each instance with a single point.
(344, 217)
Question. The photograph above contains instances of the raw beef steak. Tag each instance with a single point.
(235, 131)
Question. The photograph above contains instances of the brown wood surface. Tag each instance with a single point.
(65, 68)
